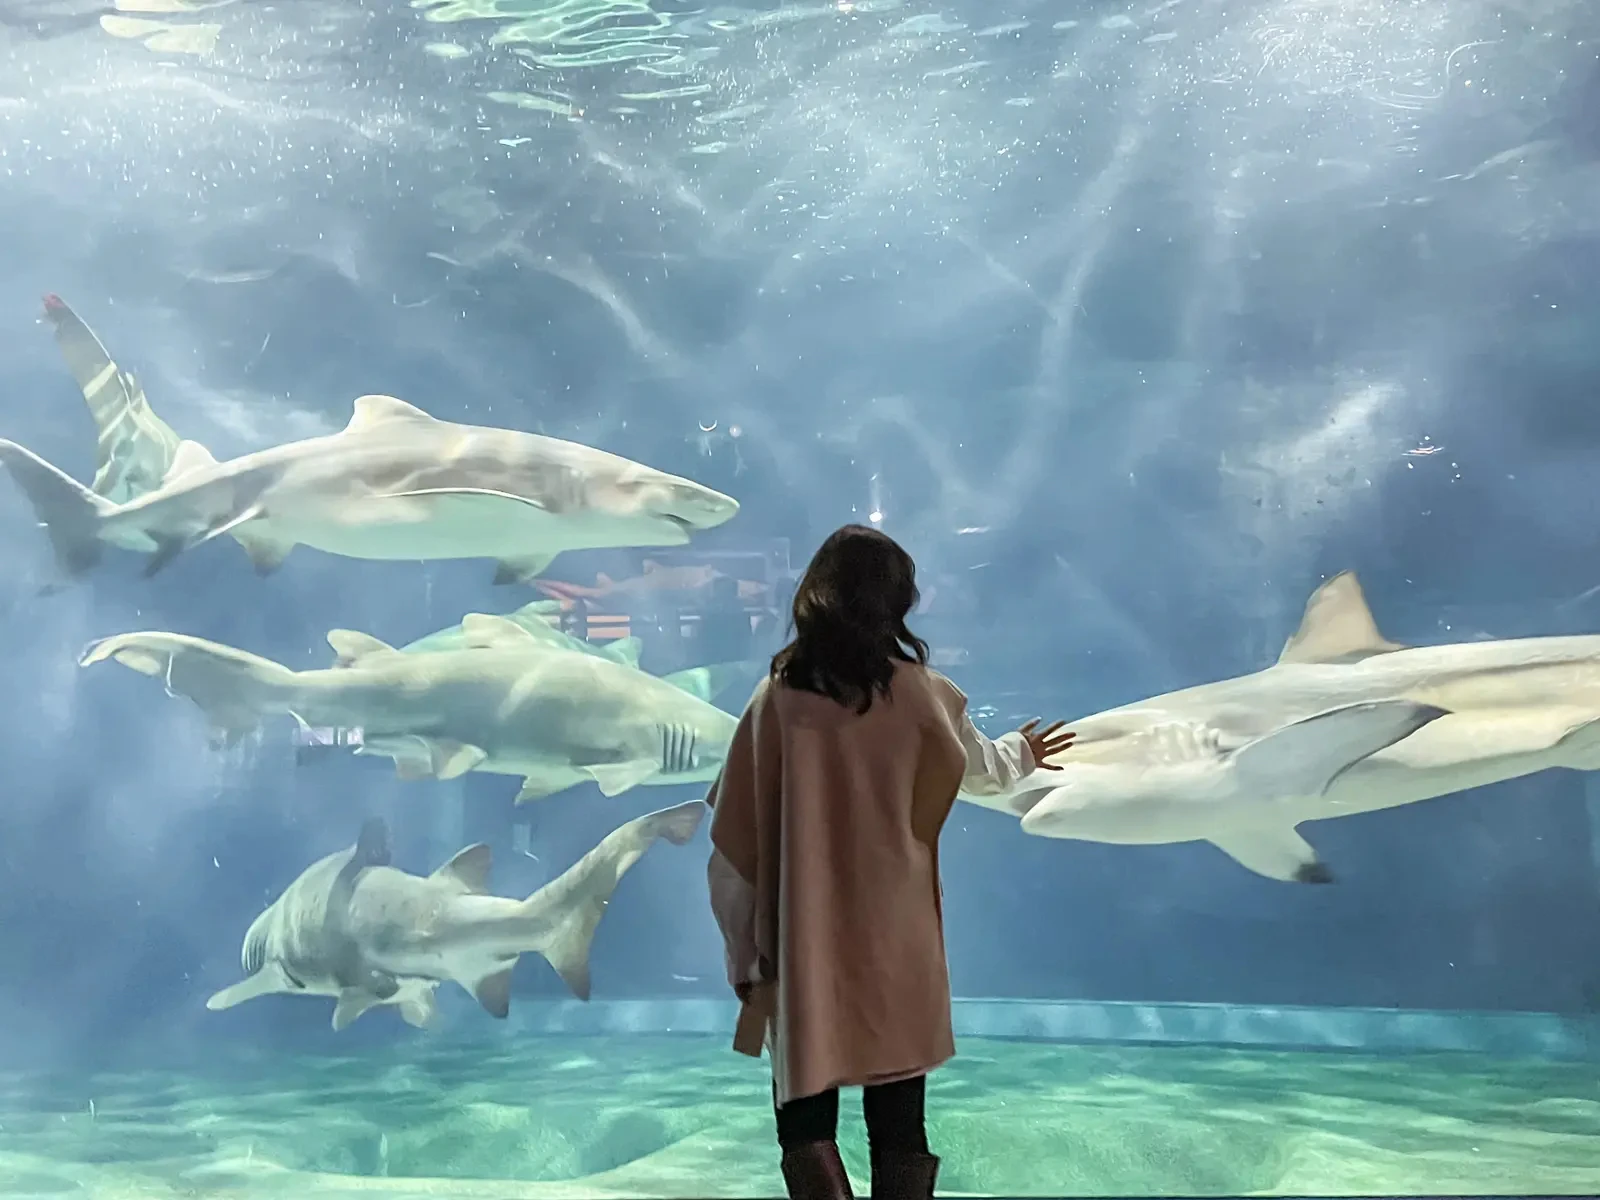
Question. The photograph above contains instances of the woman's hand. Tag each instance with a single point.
(1045, 742)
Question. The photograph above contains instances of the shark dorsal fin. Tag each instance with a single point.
(374, 410)
(485, 631)
(696, 681)
(189, 456)
(708, 682)
(352, 646)
(1337, 626)
(469, 868)
(372, 843)
(623, 650)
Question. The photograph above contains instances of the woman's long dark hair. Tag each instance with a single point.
(850, 619)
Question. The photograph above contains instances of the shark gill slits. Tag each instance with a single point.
(678, 744)
(254, 953)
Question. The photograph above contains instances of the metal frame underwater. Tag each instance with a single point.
(1508, 1035)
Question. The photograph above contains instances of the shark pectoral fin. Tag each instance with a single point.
(449, 759)
(168, 548)
(266, 549)
(1337, 626)
(351, 646)
(189, 456)
(626, 651)
(494, 992)
(521, 570)
(469, 869)
(616, 778)
(538, 786)
(1276, 852)
(268, 981)
(421, 1010)
(352, 1003)
(1305, 757)
(380, 984)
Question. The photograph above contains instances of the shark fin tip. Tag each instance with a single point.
(1314, 872)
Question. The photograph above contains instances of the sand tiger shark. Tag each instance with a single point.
(134, 448)
(394, 483)
(706, 682)
(357, 929)
(1344, 722)
(508, 702)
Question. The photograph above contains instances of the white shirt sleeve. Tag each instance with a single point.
(994, 765)
(733, 902)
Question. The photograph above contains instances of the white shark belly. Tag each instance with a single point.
(394, 530)
(455, 526)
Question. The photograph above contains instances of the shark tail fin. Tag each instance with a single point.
(134, 448)
(568, 910)
(234, 688)
(69, 512)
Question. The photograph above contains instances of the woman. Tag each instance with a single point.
(825, 872)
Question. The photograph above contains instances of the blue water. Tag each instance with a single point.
(1134, 324)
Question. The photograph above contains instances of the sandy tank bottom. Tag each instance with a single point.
(666, 1116)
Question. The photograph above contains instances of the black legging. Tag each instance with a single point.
(894, 1113)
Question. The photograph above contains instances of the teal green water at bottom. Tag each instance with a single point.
(684, 1116)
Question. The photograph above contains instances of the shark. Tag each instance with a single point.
(395, 483)
(134, 448)
(1344, 722)
(507, 702)
(354, 927)
(707, 682)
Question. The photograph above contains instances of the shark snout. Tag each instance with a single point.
(693, 506)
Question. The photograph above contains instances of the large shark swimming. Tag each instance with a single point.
(509, 701)
(355, 928)
(707, 682)
(395, 483)
(1345, 722)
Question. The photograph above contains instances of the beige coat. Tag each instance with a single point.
(825, 875)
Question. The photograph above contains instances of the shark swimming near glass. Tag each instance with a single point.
(395, 484)
(707, 682)
(134, 448)
(1345, 722)
(355, 928)
(509, 700)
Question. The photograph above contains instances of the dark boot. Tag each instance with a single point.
(898, 1175)
(815, 1171)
